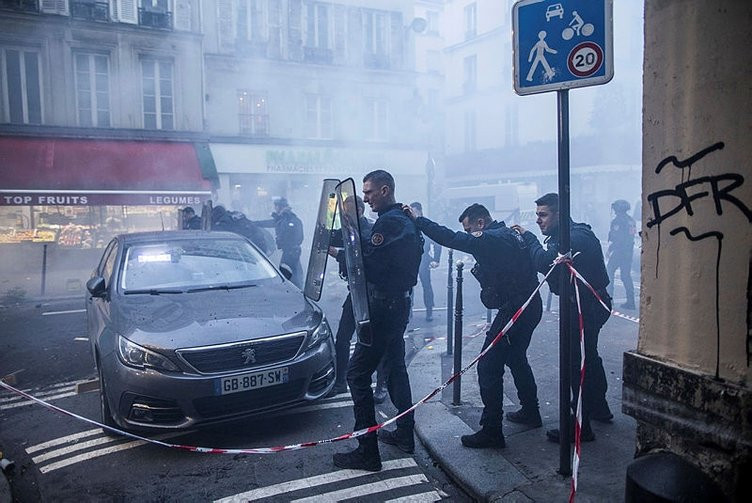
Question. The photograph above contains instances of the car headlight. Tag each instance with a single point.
(321, 333)
(137, 356)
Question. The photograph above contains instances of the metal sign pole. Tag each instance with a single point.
(565, 343)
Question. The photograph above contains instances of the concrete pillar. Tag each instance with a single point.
(688, 383)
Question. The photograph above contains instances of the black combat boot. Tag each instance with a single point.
(364, 457)
(484, 439)
(601, 413)
(526, 415)
(403, 440)
(586, 434)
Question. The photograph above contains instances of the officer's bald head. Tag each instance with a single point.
(379, 178)
(378, 190)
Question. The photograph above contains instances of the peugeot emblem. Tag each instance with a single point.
(249, 356)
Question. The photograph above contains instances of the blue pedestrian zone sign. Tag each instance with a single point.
(561, 44)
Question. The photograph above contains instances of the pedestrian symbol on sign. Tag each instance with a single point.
(540, 49)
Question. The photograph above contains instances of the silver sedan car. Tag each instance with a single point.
(193, 327)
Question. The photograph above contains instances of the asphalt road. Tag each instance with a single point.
(59, 458)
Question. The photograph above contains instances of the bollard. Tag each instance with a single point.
(450, 294)
(44, 270)
(458, 336)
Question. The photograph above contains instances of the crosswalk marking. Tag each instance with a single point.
(418, 498)
(79, 446)
(41, 394)
(310, 482)
(71, 311)
(62, 440)
(26, 401)
(366, 489)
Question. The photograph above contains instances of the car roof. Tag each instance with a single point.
(162, 236)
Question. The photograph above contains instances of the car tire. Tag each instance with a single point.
(106, 413)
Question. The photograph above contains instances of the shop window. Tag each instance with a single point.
(252, 113)
(376, 119)
(318, 116)
(158, 102)
(93, 89)
(20, 86)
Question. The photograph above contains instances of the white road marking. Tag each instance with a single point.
(72, 311)
(310, 482)
(81, 339)
(321, 406)
(626, 316)
(26, 401)
(56, 453)
(40, 394)
(62, 440)
(101, 452)
(366, 489)
(420, 498)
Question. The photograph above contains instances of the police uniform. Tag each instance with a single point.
(621, 238)
(589, 263)
(288, 230)
(391, 259)
(507, 279)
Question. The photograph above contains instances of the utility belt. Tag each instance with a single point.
(375, 293)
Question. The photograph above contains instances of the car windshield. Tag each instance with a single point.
(195, 265)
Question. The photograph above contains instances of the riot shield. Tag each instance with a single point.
(321, 239)
(356, 276)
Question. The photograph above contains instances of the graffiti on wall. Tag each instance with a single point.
(682, 198)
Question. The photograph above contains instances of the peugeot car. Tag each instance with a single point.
(195, 327)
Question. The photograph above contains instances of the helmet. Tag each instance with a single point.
(620, 206)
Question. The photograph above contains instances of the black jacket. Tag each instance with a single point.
(288, 229)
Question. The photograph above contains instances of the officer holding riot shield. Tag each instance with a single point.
(507, 278)
(391, 259)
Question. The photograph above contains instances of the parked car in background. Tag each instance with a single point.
(195, 327)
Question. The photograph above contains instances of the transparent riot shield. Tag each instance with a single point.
(206, 214)
(321, 240)
(356, 277)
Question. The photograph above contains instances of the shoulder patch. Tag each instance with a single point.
(477, 234)
(377, 239)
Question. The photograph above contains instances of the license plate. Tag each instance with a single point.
(252, 380)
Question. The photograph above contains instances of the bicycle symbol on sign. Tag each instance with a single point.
(577, 27)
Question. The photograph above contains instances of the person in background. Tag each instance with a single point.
(621, 239)
(430, 260)
(589, 263)
(289, 236)
(190, 219)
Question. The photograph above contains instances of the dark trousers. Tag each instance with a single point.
(595, 385)
(424, 274)
(291, 257)
(345, 331)
(388, 323)
(622, 261)
(511, 351)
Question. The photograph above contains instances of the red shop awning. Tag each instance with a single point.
(69, 172)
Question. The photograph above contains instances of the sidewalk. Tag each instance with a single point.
(526, 470)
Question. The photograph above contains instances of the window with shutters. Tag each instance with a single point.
(158, 101)
(318, 117)
(90, 10)
(155, 14)
(93, 89)
(471, 21)
(275, 28)
(252, 20)
(318, 33)
(59, 7)
(20, 5)
(376, 120)
(376, 38)
(20, 86)
(253, 113)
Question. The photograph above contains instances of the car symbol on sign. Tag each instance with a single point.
(554, 10)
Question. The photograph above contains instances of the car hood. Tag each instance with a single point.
(175, 321)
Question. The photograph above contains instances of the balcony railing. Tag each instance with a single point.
(20, 5)
(155, 18)
(318, 55)
(376, 61)
(91, 11)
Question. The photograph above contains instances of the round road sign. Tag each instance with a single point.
(585, 59)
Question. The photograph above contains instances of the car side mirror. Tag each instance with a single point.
(96, 286)
(286, 271)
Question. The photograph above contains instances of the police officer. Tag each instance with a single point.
(288, 231)
(590, 264)
(507, 279)
(190, 219)
(621, 238)
(346, 326)
(391, 259)
(430, 260)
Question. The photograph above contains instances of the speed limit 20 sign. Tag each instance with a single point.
(561, 44)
